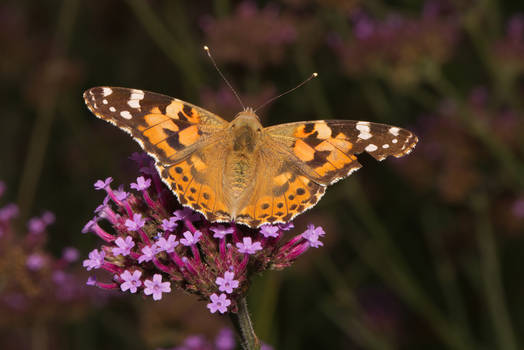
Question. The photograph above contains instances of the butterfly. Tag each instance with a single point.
(241, 171)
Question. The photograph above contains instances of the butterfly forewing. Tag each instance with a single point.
(167, 128)
(326, 149)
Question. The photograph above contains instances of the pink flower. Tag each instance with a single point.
(169, 224)
(220, 231)
(186, 213)
(227, 283)
(95, 261)
(135, 224)
(148, 253)
(131, 281)
(218, 303)
(247, 246)
(167, 245)
(103, 184)
(312, 235)
(269, 231)
(156, 287)
(124, 246)
(141, 184)
(190, 239)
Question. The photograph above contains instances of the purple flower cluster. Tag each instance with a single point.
(31, 276)
(509, 50)
(224, 340)
(266, 30)
(397, 48)
(157, 245)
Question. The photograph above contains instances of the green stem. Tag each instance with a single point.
(497, 148)
(398, 275)
(169, 44)
(45, 114)
(490, 269)
(244, 327)
(39, 336)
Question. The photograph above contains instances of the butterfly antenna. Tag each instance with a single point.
(223, 77)
(314, 75)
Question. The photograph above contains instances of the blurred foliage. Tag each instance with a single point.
(422, 252)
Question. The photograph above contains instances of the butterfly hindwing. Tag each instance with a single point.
(326, 149)
(282, 189)
(167, 128)
(196, 181)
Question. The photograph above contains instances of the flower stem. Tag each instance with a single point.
(244, 327)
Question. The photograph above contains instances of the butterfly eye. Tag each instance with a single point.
(259, 130)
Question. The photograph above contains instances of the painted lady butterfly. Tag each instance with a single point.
(240, 171)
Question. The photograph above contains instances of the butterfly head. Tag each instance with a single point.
(246, 129)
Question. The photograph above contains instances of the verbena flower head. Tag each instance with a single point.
(35, 283)
(154, 245)
(398, 47)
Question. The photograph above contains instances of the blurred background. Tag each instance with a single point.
(423, 252)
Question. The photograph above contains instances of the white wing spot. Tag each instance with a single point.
(385, 146)
(394, 131)
(126, 115)
(394, 141)
(107, 91)
(134, 103)
(104, 101)
(323, 130)
(363, 127)
(134, 100)
(370, 148)
(112, 109)
(137, 94)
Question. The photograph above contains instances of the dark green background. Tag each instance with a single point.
(420, 253)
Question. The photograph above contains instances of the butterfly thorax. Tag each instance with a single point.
(246, 130)
(241, 162)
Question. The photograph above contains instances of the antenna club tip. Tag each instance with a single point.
(315, 75)
(206, 48)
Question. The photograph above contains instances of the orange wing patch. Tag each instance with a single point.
(303, 151)
(187, 180)
(180, 110)
(290, 195)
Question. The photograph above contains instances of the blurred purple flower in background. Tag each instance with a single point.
(397, 48)
(224, 340)
(509, 50)
(34, 283)
(518, 208)
(267, 31)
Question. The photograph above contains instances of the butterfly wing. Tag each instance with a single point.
(197, 180)
(325, 150)
(167, 128)
(301, 159)
(185, 140)
(282, 188)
